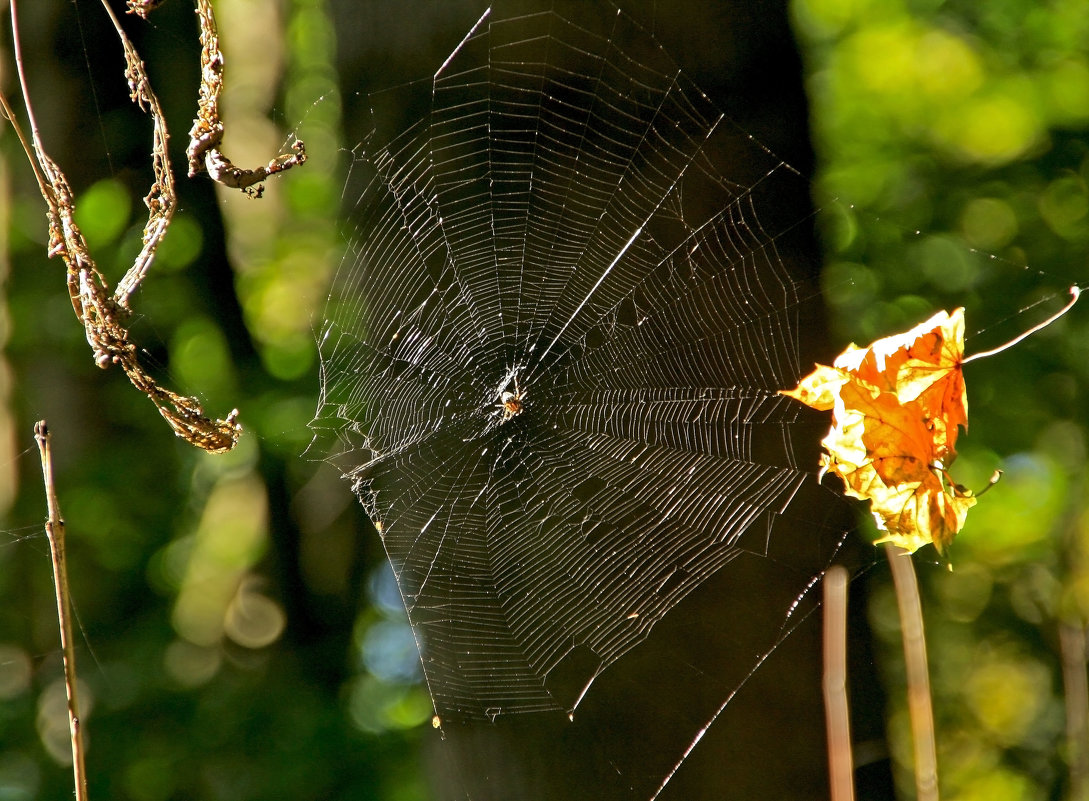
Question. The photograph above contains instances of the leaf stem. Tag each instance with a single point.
(1075, 293)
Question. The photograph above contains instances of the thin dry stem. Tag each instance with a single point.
(918, 677)
(1076, 697)
(207, 132)
(103, 314)
(836, 710)
(54, 531)
(160, 200)
(1072, 638)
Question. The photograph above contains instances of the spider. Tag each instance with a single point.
(511, 402)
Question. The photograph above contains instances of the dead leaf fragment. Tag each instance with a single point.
(897, 407)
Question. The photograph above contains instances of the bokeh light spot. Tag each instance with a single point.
(15, 671)
(253, 620)
(1064, 206)
(993, 129)
(945, 263)
(375, 706)
(191, 665)
(1007, 694)
(390, 653)
(988, 223)
(103, 212)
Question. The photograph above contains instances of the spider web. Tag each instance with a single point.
(550, 364)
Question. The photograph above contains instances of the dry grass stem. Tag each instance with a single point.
(54, 530)
(918, 676)
(1076, 697)
(102, 313)
(836, 710)
(207, 132)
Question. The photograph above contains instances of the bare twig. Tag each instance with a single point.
(207, 131)
(918, 677)
(103, 314)
(837, 717)
(54, 530)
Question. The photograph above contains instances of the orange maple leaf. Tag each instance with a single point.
(897, 407)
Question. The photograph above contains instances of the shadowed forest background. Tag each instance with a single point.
(241, 635)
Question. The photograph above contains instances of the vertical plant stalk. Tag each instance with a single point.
(836, 709)
(918, 677)
(1076, 695)
(1072, 631)
(54, 531)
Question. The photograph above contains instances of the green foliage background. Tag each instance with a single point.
(954, 165)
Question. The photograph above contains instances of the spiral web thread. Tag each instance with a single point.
(554, 230)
